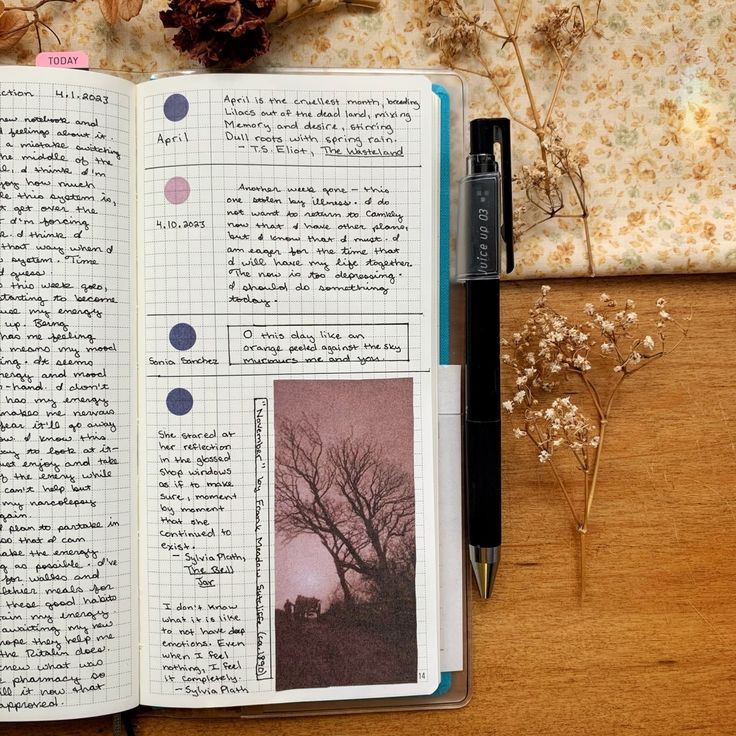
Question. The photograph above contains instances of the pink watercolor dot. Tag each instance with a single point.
(177, 190)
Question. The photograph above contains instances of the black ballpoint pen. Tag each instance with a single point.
(485, 220)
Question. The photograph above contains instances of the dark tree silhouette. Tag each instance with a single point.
(358, 503)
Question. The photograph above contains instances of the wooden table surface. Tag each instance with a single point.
(652, 647)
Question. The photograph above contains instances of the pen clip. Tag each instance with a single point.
(485, 203)
(502, 135)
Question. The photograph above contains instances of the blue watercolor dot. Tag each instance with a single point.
(182, 336)
(176, 107)
(179, 402)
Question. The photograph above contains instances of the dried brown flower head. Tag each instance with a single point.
(220, 31)
(452, 32)
(562, 27)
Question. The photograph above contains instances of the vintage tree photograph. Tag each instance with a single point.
(345, 533)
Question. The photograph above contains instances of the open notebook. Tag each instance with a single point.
(218, 411)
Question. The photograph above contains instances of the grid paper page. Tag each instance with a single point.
(68, 592)
(287, 274)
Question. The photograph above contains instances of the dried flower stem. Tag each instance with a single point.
(558, 478)
(582, 537)
(37, 6)
(565, 493)
(565, 65)
(513, 39)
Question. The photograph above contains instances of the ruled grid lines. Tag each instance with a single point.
(188, 268)
(51, 105)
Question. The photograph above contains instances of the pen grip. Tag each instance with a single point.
(483, 412)
(483, 482)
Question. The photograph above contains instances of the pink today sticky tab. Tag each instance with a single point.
(63, 59)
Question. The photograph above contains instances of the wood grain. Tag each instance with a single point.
(650, 650)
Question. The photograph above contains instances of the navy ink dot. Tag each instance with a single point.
(179, 402)
(182, 336)
(176, 107)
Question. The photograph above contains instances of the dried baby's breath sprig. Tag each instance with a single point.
(562, 27)
(462, 39)
(548, 350)
(453, 32)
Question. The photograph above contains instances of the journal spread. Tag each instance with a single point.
(218, 410)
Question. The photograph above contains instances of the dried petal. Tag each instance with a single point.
(128, 9)
(13, 26)
(109, 10)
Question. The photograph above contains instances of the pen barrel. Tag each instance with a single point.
(483, 413)
(483, 350)
(483, 482)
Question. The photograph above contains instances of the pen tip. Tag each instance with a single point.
(485, 567)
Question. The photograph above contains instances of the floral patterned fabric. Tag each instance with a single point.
(649, 102)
